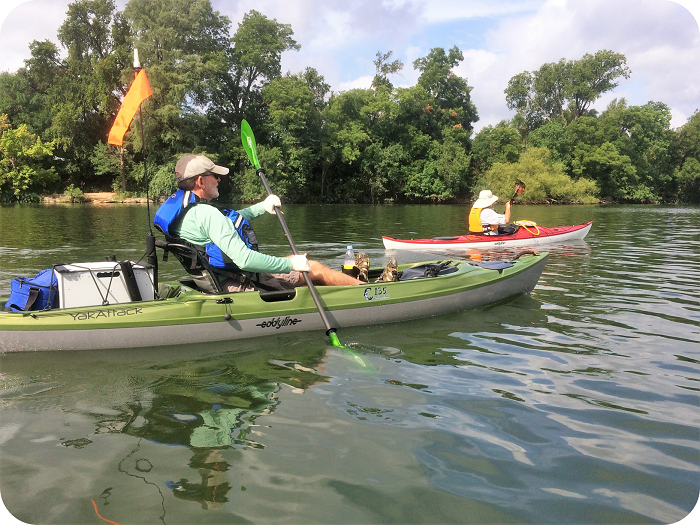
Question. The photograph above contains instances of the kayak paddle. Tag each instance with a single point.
(519, 188)
(248, 140)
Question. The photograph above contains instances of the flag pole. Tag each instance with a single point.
(137, 68)
(151, 255)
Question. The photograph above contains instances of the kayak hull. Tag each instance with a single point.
(524, 237)
(193, 318)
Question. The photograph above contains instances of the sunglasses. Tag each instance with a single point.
(209, 174)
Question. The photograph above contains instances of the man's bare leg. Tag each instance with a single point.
(323, 276)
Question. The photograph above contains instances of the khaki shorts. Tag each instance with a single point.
(278, 281)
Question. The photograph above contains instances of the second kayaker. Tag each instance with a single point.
(227, 236)
(483, 219)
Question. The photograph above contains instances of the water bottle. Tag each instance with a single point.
(349, 263)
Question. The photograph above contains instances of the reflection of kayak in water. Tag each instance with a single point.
(526, 235)
(190, 316)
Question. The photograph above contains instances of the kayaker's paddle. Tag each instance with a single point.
(248, 140)
(519, 188)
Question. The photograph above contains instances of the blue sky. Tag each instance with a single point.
(499, 39)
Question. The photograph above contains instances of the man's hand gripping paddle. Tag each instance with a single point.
(248, 140)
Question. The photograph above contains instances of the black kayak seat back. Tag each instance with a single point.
(492, 265)
(422, 271)
(202, 276)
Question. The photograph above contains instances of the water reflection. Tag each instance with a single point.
(213, 405)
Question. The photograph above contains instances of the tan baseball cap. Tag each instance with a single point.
(193, 165)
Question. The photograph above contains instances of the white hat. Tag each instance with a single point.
(486, 199)
(192, 165)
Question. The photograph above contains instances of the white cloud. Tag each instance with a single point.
(16, 33)
(435, 11)
(358, 83)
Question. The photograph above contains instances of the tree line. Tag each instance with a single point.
(375, 145)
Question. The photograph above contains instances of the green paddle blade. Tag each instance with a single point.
(358, 359)
(248, 140)
(364, 363)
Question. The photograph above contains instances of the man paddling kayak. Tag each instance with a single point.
(484, 220)
(227, 237)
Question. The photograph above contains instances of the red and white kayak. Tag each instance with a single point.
(529, 235)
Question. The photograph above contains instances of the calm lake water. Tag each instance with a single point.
(577, 404)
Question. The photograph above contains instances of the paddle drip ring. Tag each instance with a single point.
(143, 465)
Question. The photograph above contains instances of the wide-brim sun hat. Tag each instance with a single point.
(194, 165)
(486, 199)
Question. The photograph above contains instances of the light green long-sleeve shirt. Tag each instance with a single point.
(204, 224)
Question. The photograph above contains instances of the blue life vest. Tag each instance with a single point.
(171, 211)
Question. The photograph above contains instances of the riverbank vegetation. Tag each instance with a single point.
(374, 145)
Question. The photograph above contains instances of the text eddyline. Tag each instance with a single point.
(96, 314)
(278, 322)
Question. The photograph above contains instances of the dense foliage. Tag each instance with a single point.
(381, 144)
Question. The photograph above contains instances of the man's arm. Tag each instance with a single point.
(251, 212)
(204, 224)
(256, 210)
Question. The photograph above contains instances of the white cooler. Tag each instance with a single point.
(90, 284)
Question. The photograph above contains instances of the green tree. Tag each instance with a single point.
(23, 159)
(593, 75)
(446, 170)
(24, 95)
(253, 60)
(499, 143)
(614, 173)
(346, 135)
(689, 137)
(384, 69)
(546, 180)
(451, 93)
(687, 171)
(84, 102)
(551, 135)
(383, 171)
(643, 134)
(565, 89)
(294, 130)
(182, 44)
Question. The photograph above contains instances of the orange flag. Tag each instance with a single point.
(139, 91)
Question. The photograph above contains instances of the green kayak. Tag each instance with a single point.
(190, 316)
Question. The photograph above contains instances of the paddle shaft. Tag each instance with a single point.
(330, 331)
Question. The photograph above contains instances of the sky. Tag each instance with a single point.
(499, 39)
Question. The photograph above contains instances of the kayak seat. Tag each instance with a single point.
(422, 271)
(492, 265)
(503, 230)
(202, 276)
(508, 229)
